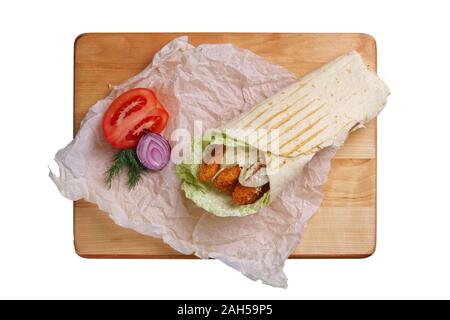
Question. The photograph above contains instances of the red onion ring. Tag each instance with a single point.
(153, 151)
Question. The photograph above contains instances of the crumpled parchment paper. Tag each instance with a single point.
(213, 83)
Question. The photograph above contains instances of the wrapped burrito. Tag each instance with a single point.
(241, 167)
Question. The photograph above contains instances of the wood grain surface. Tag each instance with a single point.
(344, 226)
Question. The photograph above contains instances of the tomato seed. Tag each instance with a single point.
(144, 125)
(127, 109)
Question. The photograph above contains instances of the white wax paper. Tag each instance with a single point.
(212, 83)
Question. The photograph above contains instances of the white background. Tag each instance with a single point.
(37, 259)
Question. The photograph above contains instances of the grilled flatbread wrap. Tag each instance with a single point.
(316, 112)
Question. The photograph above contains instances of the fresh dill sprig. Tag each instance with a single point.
(135, 168)
(119, 162)
(125, 158)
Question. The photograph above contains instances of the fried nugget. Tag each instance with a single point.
(207, 171)
(245, 195)
(227, 179)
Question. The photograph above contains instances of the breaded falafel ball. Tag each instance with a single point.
(227, 179)
(243, 195)
(207, 171)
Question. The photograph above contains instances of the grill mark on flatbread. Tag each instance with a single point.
(300, 86)
(310, 150)
(288, 118)
(270, 104)
(280, 123)
(280, 112)
(302, 132)
(304, 141)
(303, 119)
(315, 134)
(309, 127)
(315, 148)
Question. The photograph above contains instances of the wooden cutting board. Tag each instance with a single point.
(344, 226)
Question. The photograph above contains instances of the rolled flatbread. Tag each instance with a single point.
(316, 112)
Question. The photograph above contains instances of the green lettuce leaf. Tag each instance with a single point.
(205, 195)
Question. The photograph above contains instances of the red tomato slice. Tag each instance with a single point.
(132, 114)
